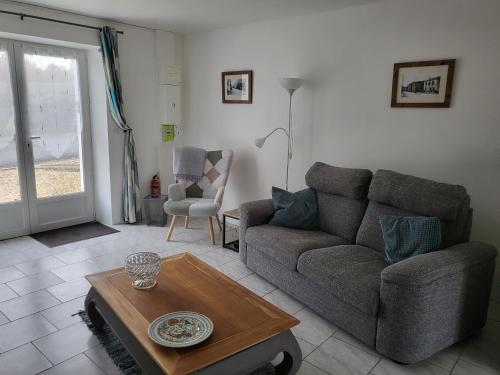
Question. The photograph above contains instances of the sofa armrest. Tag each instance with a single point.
(427, 268)
(431, 301)
(176, 192)
(252, 214)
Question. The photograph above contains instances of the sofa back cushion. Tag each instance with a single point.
(341, 194)
(397, 194)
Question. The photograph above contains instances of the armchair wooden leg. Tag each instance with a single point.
(186, 222)
(218, 222)
(171, 227)
(211, 230)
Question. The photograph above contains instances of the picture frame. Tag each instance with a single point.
(423, 84)
(237, 87)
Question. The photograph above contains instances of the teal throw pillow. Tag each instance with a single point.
(405, 237)
(295, 210)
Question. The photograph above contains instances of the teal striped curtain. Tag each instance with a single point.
(130, 192)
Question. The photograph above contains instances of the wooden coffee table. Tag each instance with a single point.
(248, 330)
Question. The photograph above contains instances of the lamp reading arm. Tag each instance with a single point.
(259, 142)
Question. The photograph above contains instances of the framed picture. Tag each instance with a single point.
(424, 84)
(237, 87)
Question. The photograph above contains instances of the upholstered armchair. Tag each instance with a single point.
(202, 198)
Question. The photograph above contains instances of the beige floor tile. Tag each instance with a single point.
(312, 328)
(40, 265)
(465, 368)
(6, 293)
(100, 357)
(76, 270)
(257, 284)
(337, 357)
(388, 367)
(284, 301)
(10, 273)
(34, 283)
(28, 304)
(24, 330)
(66, 343)
(307, 369)
(79, 365)
(24, 360)
(62, 315)
(70, 290)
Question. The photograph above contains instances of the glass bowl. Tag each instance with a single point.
(142, 268)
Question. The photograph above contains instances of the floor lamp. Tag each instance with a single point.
(290, 85)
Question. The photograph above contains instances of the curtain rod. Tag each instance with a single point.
(24, 15)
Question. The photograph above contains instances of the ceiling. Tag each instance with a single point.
(188, 16)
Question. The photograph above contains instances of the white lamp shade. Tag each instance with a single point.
(259, 142)
(291, 84)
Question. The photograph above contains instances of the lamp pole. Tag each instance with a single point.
(289, 153)
(290, 85)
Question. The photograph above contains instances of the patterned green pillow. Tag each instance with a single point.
(405, 237)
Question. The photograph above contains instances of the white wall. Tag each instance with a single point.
(343, 115)
(139, 82)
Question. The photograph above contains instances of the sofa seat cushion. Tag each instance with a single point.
(286, 244)
(351, 272)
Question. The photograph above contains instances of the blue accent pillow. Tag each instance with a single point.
(405, 237)
(295, 210)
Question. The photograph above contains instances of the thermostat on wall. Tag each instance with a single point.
(168, 132)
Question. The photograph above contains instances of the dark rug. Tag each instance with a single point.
(80, 232)
(124, 360)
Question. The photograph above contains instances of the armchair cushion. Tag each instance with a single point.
(195, 207)
(176, 192)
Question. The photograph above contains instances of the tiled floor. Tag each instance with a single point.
(40, 288)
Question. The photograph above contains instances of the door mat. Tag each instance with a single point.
(75, 233)
(121, 357)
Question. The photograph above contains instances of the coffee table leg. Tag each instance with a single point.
(91, 310)
(99, 313)
(260, 354)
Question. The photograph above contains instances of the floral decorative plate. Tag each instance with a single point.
(180, 329)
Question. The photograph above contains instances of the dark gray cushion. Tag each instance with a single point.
(340, 216)
(347, 182)
(286, 244)
(425, 197)
(351, 272)
(295, 210)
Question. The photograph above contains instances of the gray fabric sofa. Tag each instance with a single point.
(407, 311)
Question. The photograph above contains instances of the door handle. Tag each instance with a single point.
(35, 137)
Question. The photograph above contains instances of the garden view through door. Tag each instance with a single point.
(53, 120)
(45, 148)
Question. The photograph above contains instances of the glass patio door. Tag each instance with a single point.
(53, 136)
(14, 219)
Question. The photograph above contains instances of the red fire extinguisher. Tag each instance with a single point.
(155, 186)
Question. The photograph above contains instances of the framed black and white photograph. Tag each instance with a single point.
(423, 84)
(237, 87)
